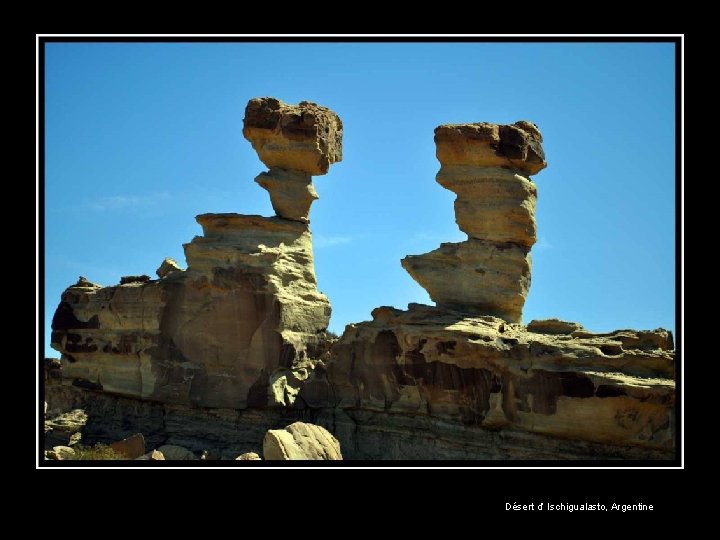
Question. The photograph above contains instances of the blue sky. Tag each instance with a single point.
(140, 138)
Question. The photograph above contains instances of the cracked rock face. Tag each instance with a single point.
(486, 166)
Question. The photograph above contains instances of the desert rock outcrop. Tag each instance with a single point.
(296, 142)
(436, 369)
(486, 166)
(209, 360)
(245, 321)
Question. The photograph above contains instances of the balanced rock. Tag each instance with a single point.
(244, 322)
(516, 147)
(485, 165)
(304, 137)
(301, 441)
(296, 142)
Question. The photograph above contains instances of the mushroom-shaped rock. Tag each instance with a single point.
(304, 137)
(296, 142)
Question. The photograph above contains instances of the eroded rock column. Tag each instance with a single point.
(296, 142)
(243, 325)
(487, 166)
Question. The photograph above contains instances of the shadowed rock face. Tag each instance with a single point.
(485, 164)
(245, 322)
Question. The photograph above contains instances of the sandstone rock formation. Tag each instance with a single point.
(212, 359)
(301, 441)
(482, 374)
(168, 265)
(245, 321)
(295, 142)
(486, 166)
(465, 379)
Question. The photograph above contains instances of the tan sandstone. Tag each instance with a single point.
(305, 137)
(301, 441)
(486, 374)
(168, 265)
(241, 326)
(295, 142)
(485, 166)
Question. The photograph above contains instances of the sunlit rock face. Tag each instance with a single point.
(429, 383)
(245, 322)
(296, 142)
(487, 167)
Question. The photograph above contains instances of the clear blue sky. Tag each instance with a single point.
(140, 138)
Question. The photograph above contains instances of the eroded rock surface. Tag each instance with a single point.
(486, 165)
(296, 142)
(245, 321)
(206, 360)
(304, 137)
(301, 441)
(485, 374)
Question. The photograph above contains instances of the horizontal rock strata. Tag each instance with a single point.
(243, 324)
(484, 374)
(486, 166)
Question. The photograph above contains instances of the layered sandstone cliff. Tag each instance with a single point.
(464, 379)
(215, 355)
(243, 324)
(427, 381)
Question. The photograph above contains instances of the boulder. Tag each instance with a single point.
(132, 447)
(301, 441)
(63, 451)
(155, 455)
(168, 265)
(176, 453)
(248, 456)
